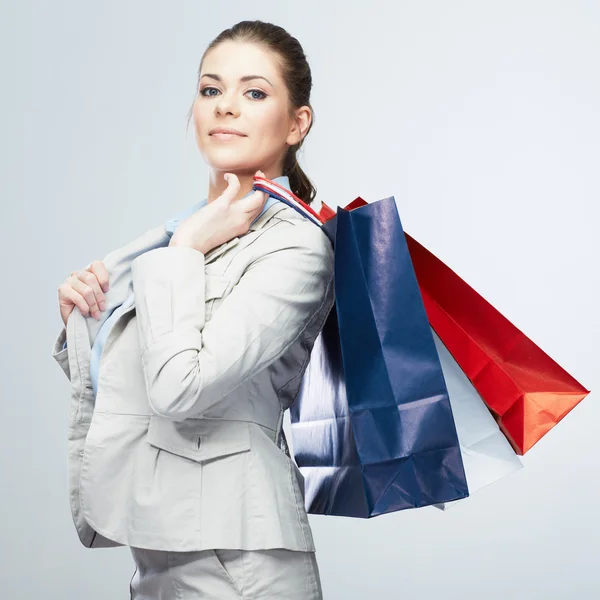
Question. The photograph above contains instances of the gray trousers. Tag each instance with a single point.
(277, 574)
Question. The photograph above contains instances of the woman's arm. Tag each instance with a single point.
(189, 365)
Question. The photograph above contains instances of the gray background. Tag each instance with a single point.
(481, 118)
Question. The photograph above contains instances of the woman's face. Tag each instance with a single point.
(257, 107)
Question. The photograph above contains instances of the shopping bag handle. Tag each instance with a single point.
(287, 197)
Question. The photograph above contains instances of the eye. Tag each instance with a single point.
(258, 92)
(207, 88)
(255, 91)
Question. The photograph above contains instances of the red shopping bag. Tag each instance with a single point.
(526, 390)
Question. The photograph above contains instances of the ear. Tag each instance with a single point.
(300, 125)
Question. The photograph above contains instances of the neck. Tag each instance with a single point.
(218, 184)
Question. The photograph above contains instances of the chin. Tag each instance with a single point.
(229, 163)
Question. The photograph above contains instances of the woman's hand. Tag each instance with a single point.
(85, 289)
(222, 219)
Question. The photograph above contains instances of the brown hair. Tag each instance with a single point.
(297, 76)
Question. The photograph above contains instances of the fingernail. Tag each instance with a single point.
(102, 305)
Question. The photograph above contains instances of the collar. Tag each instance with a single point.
(271, 207)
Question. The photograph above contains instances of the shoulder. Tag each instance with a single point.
(293, 230)
(291, 248)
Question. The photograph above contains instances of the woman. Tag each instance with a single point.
(176, 443)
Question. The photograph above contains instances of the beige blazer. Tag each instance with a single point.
(180, 449)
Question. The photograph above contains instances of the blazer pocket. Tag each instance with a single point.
(199, 439)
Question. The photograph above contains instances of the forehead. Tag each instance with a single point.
(232, 60)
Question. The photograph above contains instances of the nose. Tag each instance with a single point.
(227, 104)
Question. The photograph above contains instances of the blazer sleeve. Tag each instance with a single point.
(189, 365)
(60, 352)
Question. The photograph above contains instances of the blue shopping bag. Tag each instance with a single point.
(372, 426)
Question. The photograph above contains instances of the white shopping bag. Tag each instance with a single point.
(487, 455)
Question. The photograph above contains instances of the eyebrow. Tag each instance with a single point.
(242, 79)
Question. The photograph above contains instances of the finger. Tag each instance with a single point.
(233, 187)
(254, 202)
(97, 267)
(68, 292)
(91, 279)
(87, 285)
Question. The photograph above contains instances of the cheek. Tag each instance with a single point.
(272, 124)
(199, 116)
(201, 125)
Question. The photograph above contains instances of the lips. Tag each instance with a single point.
(226, 131)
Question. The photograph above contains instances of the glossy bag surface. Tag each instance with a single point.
(372, 426)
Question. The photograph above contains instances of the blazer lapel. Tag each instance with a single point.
(213, 254)
(118, 264)
(270, 212)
